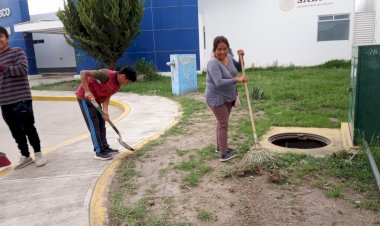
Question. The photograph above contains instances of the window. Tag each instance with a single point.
(333, 27)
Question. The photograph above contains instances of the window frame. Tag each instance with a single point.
(328, 18)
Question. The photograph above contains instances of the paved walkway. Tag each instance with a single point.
(72, 183)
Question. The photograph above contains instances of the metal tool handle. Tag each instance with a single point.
(97, 106)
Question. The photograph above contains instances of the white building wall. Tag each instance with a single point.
(377, 26)
(364, 5)
(268, 34)
(54, 55)
(54, 52)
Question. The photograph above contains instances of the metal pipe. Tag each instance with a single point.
(375, 170)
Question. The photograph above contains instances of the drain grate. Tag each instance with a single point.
(299, 140)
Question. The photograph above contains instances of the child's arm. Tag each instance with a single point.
(99, 75)
(83, 78)
(105, 108)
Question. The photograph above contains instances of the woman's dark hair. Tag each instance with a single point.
(218, 40)
(129, 72)
(4, 31)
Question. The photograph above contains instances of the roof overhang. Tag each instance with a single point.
(41, 26)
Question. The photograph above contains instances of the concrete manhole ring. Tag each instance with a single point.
(299, 140)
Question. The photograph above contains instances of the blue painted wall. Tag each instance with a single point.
(19, 13)
(168, 27)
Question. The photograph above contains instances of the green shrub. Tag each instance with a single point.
(144, 67)
(336, 64)
(257, 93)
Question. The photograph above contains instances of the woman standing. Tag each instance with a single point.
(220, 91)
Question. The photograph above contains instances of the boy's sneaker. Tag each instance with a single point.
(39, 161)
(111, 151)
(227, 156)
(24, 161)
(102, 156)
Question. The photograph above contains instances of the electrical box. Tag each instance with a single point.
(183, 69)
(364, 94)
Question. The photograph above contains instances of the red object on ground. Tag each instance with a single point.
(4, 161)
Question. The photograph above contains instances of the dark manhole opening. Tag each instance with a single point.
(299, 140)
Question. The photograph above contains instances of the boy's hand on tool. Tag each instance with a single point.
(106, 116)
(88, 95)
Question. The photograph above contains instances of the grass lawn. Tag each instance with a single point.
(296, 97)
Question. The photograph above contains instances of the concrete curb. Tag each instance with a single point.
(98, 213)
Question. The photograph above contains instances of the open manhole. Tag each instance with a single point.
(299, 140)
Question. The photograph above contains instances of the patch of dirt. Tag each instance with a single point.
(228, 200)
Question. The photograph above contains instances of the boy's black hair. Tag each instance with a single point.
(4, 31)
(129, 72)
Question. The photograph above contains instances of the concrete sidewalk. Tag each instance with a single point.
(35, 80)
(60, 193)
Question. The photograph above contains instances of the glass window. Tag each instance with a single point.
(326, 18)
(343, 16)
(333, 27)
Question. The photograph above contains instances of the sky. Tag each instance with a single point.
(44, 6)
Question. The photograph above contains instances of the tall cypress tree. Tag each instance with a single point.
(102, 28)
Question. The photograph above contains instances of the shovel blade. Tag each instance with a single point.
(125, 144)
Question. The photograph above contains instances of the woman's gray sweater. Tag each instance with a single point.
(220, 81)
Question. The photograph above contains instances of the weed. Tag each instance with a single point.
(187, 165)
(208, 153)
(204, 215)
(335, 192)
(196, 167)
(163, 172)
(152, 189)
(257, 93)
(181, 152)
(129, 215)
(367, 204)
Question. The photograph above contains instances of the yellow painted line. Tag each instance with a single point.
(6, 171)
(55, 98)
(98, 204)
(126, 109)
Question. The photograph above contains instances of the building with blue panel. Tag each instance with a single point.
(281, 32)
(168, 27)
(13, 12)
